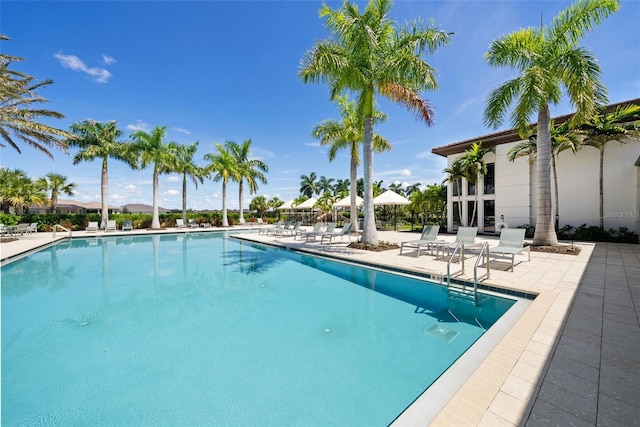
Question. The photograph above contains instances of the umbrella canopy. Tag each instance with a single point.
(390, 198)
(346, 202)
(307, 204)
(287, 205)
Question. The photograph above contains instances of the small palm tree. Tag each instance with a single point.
(151, 148)
(57, 184)
(223, 166)
(455, 173)
(19, 118)
(17, 190)
(251, 170)
(308, 185)
(547, 60)
(100, 141)
(603, 127)
(474, 167)
(260, 205)
(562, 138)
(183, 164)
(369, 56)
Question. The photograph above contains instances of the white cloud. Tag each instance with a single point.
(181, 130)
(174, 178)
(130, 188)
(405, 172)
(139, 125)
(108, 60)
(171, 193)
(100, 75)
(424, 154)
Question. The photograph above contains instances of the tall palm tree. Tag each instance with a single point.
(97, 140)
(455, 173)
(251, 170)
(57, 184)
(151, 148)
(223, 166)
(562, 138)
(308, 185)
(349, 134)
(604, 127)
(183, 164)
(548, 59)
(18, 115)
(474, 167)
(367, 54)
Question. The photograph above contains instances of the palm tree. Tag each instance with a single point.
(100, 141)
(397, 187)
(341, 187)
(275, 203)
(325, 185)
(260, 205)
(251, 170)
(349, 134)
(57, 184)
(223, 166)
(562, 138)
(183, 163)
(17, 190)
(455, 173)
(547, 60)
(308, 185)
(18, 117)
(604, 127)
(368, 55)
(474, 166)
(151, 148)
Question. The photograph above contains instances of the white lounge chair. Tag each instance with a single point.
(511, 243)
(193, 223)
(291, 231)
(92, 227)
(277, 229)
(467, 235)
(111, 225)
(346, 228)
(180, 223)
(32, 228)
(278, 224)
(428, 240)
(313, 235)
(127, 226)
(301, 232)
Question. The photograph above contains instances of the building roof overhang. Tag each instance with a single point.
(506, 136)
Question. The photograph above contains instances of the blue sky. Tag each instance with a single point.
(212, 71)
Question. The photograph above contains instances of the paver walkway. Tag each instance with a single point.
(594, 373)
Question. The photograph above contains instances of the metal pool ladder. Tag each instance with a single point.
(62, 228)
(460, 291)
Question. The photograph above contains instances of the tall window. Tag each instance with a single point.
(489, 215)
(471, 188)
(457, 187)
(456, 215)
(470, 205)
(490, 179)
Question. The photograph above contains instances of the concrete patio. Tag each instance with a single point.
(571, 358)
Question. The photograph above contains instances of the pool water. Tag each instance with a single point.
(199, 329)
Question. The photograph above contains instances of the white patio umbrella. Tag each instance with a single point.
(346, 202)
(307, 204)
(287, 205)
(391, 198)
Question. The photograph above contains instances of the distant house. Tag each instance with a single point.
(507, 193)
(68, 206)
(139, 208)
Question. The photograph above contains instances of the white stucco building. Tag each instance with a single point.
(507, 194)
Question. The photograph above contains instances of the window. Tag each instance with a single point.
(489, 215)
(456, 215)
(457, 186)
(490, 178)
(470, 205)
(471, 188)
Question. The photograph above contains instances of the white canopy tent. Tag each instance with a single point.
(346, 202)
(391, 198)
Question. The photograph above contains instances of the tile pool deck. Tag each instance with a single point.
(572, 358)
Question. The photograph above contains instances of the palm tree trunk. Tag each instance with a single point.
(225, 220)
(353, 176)
(104, 184)
(184, 198)
(369, 232)
(155, 220)
(241, 220)
(545, 231)
(601, 186)
(555, 190)
(54, 200)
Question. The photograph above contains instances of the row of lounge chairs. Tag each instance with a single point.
(511, 242)
(111, 226)
(289, 229)
(18, 230)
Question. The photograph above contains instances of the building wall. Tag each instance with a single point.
(578, 174)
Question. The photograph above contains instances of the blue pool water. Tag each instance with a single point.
(199, 329)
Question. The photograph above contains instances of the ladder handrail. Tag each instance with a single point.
(484, 247)
(61, 227)
(460, 246)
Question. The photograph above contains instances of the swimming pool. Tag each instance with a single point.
(199, 329)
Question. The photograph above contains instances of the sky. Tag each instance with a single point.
(212, 71)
